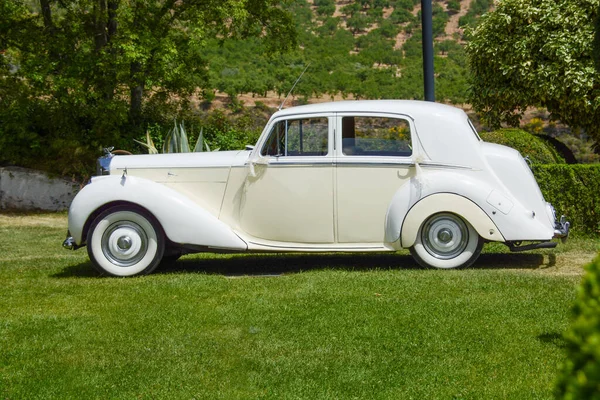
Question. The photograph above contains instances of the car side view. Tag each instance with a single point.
(349, 176)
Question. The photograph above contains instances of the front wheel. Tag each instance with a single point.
(445, 240)
(125, 241)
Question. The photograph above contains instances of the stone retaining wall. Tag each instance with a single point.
(27, 189)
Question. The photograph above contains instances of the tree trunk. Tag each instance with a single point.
(47, 14)
(100, 34)
(112, 18)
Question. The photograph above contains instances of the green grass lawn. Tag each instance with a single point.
(280, 327)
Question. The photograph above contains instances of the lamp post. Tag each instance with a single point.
(426, 27)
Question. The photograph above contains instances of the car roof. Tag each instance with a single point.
(413, 108)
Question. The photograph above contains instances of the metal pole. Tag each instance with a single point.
(426, 24)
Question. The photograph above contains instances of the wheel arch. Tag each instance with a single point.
(450, 203)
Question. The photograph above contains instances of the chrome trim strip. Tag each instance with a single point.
(299, 164)
(453, 166)
(374, 164)
(307, 163)
(322, 248)
(397, 164)
(171, 167)
(354, 164)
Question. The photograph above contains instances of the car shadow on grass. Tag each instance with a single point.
(280, 264)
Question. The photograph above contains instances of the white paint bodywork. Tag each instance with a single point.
(242, 200)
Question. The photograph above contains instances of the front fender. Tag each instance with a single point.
(182, 220)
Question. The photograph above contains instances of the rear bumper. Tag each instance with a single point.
(561, 231)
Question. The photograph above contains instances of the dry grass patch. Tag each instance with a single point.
(49, 220)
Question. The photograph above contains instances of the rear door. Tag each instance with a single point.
(373, 159)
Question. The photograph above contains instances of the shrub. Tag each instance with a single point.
(453, 6)
(580, 375)
(536, 125)
(538, 150)
(573, 191)
(401, 15)
(563, 150)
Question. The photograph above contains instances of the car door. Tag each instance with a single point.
(373, 160)
(288, 195)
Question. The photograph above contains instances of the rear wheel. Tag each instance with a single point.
(445, 240)
(125, 241)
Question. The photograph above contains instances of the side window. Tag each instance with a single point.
(298, 137)
(376, 136)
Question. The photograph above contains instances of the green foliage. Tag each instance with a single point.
(580, 375)
(325, 7)
(531, 146)
(573, 191)
(476, 9)
(453, 6)
(85, 74)
(388, 29)
(561, 149)
(439, 20)
(537, 53)
(401, 15)
(73, 102)
(176, 140)
(149, 144)
(358, 22)
(408, 5)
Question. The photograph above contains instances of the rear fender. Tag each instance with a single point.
(432, 192)
(182, 220)
(452, 203)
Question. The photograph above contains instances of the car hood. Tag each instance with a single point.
(181, 160)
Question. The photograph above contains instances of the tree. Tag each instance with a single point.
(99, 70)
(537, 53)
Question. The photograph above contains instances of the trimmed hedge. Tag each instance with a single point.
(562, 149)
(573, 190)
(580, 375)
(538, 150)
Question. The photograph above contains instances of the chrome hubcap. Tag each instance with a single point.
(444, 236)
(124, 243)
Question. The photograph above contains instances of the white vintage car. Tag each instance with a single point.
(351, 176)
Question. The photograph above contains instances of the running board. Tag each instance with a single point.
(543, 245)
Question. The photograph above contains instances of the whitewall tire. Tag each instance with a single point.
(125, 241)
(445, 240)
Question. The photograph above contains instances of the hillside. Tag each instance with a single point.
(367, 49)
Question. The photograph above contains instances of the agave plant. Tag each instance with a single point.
(201, 145)
(149, 144)
(176, 141)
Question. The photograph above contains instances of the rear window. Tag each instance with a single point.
(376, 136)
